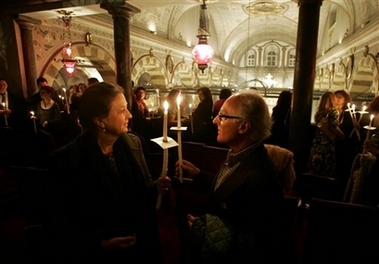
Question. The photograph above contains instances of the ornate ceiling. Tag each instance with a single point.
(235, 25)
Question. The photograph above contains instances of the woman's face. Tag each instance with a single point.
(141, 94)
(201, 95)
(44, 94)
(340, 101)
(118, 117)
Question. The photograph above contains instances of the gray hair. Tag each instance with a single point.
(253, 108)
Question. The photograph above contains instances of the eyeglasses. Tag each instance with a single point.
(224, 117)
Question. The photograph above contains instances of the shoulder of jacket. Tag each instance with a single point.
(132, 140)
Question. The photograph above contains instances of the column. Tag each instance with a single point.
(284, 58)
(26, 27)
(306, 49)
(121, 13)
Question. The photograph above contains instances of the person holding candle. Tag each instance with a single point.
(33, 101)
(322, 158)
(373, 109)
(48, 113)
(103, 196)
(11, 111)
(245, 208)
(370, 194)
(350, 146)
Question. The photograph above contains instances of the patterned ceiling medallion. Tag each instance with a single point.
(265, 8)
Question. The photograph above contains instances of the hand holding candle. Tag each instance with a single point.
(5, 115)
(34, 121)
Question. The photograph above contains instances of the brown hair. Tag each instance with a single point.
(95, 102)
(48, 89)
(325, 105)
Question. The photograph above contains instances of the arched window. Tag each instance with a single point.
(271, 59)
(250, 58)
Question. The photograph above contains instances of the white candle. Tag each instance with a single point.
(67, 103)
(165, 151)
(369, 127)
(178, 100)
(179, 125)
(5, 115)
(350, 111)
(165, 113)
(354, 115)
(34, 122)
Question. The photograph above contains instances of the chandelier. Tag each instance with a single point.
(202, 53)
(68, 62)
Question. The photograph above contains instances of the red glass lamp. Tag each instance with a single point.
(202, 53)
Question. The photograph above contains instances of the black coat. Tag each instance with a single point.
(251, 200)
(91, 203)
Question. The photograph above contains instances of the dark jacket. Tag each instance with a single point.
(90, 202)
(250, 204)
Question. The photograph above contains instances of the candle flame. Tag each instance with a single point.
(32, 113)
(364, 108)
(371, 117)
(165, 105)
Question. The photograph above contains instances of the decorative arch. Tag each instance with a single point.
(365, 76)
(154, 67)
(95, 55)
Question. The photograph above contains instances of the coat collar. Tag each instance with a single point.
(238, 177)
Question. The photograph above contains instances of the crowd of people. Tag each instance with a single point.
(103, 196)
(342, 134)
(199, 122)
(50, 111)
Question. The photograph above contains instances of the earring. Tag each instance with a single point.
(103, 129)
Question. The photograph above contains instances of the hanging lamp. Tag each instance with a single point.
(202, 53)
(68, 62)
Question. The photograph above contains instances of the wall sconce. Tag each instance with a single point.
(202, 53)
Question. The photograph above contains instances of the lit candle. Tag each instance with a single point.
(179, 125)
(5, 115)
(350, 111)
(353, 110)
(165, 113)
(67, 103)
(362, 113)
(369, 127)
(165, 151)
(34, 121)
